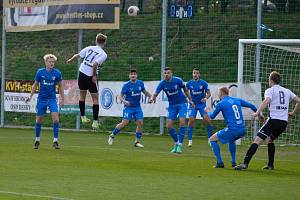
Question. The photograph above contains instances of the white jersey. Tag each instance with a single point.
(280, 99)
(91, 55)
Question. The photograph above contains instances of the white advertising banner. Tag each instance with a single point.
(111, 106)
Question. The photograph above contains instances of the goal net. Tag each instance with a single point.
(257, 58)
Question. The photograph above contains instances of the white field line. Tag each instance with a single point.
(33, 195)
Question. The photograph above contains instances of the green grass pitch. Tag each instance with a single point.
(87, 168)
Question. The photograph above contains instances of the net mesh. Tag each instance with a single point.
(284, 59)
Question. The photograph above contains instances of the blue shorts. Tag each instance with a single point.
(43, 104)
(193, 111)
(230, 135)
(133, 112)
(177, 111)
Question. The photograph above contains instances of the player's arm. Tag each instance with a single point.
(95, 65)
(262, 106)
(61, 94)
(297, 106)
(122, 99)
(155, 94)
(248, 105)
(73, 58)
(33, 89)
(147, 94)
(188, 96)
(208, 94)
(214, 113)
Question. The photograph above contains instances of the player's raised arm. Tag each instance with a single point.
(73, 58)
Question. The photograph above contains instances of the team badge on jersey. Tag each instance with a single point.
(201, 87)
(140, 88)
(53, 78)
(176, 86)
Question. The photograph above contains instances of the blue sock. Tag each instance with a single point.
(190, 133)
(181, 134)
(138, 136)
(55, 129)
(38, 129)
(173, 134)
(232, 150)
(115, 131)
(216, 149)
(209, 129)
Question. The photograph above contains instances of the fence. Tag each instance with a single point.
(208, 40)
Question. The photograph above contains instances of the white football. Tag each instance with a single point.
(133, 10)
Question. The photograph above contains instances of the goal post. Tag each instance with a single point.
(256, 59)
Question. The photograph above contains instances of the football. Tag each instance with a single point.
(133, 11)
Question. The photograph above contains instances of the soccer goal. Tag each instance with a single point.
(256, 59)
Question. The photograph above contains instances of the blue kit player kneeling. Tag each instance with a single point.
(231, 109)
(131, 97)
(47, 78)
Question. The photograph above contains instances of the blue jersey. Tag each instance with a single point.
(197, 90)
(173, 90)
(47, 81)
(231, 109)
(132, 92)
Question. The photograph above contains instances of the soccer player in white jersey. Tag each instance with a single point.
(278, 99)
(93, 56)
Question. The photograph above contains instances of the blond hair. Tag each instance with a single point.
(224, 90)
(101, 38)
(47, 56)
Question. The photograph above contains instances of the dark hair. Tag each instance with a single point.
(167, 68)
(275, 77)
(132, 70)
(197, 69)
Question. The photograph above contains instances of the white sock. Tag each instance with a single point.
(37, 139)
(55, 139)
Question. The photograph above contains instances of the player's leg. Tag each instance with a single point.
(271, 155)
(139, 120)
(127, 115)
(172, 115)
(95, 98)
(191, 123)
(55, 121)
(232, 150)
(83, 81)
(41, 108)
(182, 110)
(278, 127)
(262, 134)
(206, 120)
(213, 140)
(138, 133)
(93, 88)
